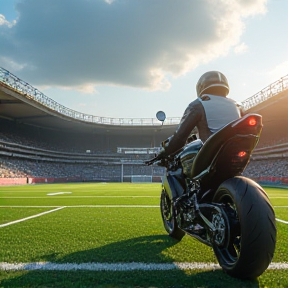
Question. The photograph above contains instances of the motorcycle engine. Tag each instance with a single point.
(186, 212)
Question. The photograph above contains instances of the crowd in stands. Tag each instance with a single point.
(10, 169)
(60, 151)
(267, 168)
(69, 145)
(271, 142)
(17, 167)
(68, 142)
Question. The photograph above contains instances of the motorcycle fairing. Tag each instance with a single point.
(188, 154)
(174, 184)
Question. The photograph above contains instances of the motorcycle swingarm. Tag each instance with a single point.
(210, 228)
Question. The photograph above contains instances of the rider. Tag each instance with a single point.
(209, 112)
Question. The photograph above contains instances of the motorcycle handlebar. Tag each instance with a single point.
(152, 161)
(162, 159)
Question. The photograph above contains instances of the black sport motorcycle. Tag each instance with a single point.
(204, 196)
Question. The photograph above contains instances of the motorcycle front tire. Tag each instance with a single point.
(168, 217)
(249, 248)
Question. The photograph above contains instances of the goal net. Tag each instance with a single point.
(141, 179)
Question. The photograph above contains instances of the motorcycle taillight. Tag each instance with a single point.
(252, 121)
(241, 154)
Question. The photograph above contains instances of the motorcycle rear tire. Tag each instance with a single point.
(248, 254)
(168, 217)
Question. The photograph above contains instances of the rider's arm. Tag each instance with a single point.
(191, 117)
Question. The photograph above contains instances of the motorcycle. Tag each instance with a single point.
(204, 196)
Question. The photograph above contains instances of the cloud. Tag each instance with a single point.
(248, 8)
(86, 88)
(4, 22)
(10, 64)
(137, 43)
(241, 48)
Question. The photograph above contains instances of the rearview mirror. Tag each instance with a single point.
(160, 115)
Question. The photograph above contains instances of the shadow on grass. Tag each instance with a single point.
(146, 249)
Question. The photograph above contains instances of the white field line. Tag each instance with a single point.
(87, 206)
(58, 193)
(121, 266)
(114, 206)
(282, 221)
(31, 217)
(96, 196)
(19, 206)
(93, 206)
(68, 197)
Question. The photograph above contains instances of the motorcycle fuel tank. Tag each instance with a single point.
(188, 154)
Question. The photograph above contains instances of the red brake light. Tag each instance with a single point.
(242, 154)
(252, 121)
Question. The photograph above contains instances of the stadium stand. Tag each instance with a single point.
(33, 152)
(27, 154)
(270, 158)
(43, 141)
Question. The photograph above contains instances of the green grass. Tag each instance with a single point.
(104, 234)
(282, 213)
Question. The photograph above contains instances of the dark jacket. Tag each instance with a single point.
(208, 113)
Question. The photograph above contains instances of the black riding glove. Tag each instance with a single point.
(162, 154)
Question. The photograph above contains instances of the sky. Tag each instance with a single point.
(131, 58)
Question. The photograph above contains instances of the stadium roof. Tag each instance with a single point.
(271, 103)
(274, 114)
(23, 103)
(19, 101)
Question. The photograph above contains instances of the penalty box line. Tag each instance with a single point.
(31, 217)
(49, 266)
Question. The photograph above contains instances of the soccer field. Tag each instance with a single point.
(111, 235)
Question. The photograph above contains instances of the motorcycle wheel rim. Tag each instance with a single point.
(167, 213)
(230, 250)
